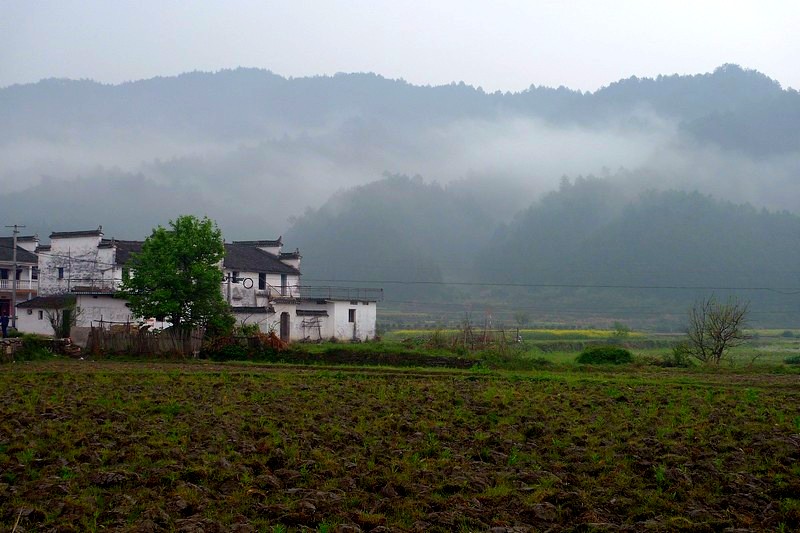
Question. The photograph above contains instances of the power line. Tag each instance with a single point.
(461, 307)
(779, 290)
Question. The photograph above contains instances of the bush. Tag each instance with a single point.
(788, 334)
(238, 348)
(229, 352)
(678, 358)
(793, 360)
(247, 330)
(604, 355)
(34, 347)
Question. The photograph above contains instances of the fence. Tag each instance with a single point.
(131, 341)
(473, 338)
(337, 293)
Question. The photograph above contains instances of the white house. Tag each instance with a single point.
(27, 272)
(259, 281)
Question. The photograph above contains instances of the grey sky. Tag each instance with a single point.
(498, 44)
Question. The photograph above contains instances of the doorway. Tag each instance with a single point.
(285, 326)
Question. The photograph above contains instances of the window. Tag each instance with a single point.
(60, 272)
(19, 274)
(235, 278)
(284, 284)
(3, 273)
(30, 311)
(351, 315)
(262, 281)
(41, 315)
(35, 273)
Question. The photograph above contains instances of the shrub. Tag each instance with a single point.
(793, 360)
(788, 334)
(604, 355)
(237, 348)
(678, 357)
(34, 347)
(229, 352)
(248, 330)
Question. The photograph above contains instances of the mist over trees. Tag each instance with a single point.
(247, 144)
(500, 197)
(588, 249)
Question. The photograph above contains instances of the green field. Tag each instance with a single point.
(138, 446)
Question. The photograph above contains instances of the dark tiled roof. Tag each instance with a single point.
(7, 252)
(27, 238)
(43, 248)
(48, 302)
(125, 249)
(92, 290)
(251, 310)
(312, 312)
(291, 255)
(248, 258)
(83, 233)
(267, 243)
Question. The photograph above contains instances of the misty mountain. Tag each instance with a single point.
(398, 228)
(500, 198)
(657, 238)
(590, 245)
(244, 103)
(675, 246)
(252, 149)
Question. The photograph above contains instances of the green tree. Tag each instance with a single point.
(177, 275)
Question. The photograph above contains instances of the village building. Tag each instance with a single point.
(26, 274)
(81, 271)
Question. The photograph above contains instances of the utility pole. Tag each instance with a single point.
(14, 278)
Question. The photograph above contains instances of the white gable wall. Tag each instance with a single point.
(94, 309)
(81, 260)
(363, 326)
(253, 296)
(29, 321)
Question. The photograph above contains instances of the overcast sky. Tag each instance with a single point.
(496, 44)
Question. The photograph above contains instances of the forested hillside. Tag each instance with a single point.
(587, 245)
(498, 197)
(248, 144)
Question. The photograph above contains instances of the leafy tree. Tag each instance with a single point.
(621, 330)
(522, 318)
(714, 328)
(177, 276)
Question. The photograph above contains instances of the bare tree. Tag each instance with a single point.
(63, 319)
(714, 328)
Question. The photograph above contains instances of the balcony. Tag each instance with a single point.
(22, 285)
(328, 293)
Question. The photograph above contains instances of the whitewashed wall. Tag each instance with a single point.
(364, 326)
(263, 320)
(81, 260)
(241, 296)
(93, 309)
(28, 321)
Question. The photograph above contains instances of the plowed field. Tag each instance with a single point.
(89, 446)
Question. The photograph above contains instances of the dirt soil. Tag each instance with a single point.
(86, 446)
